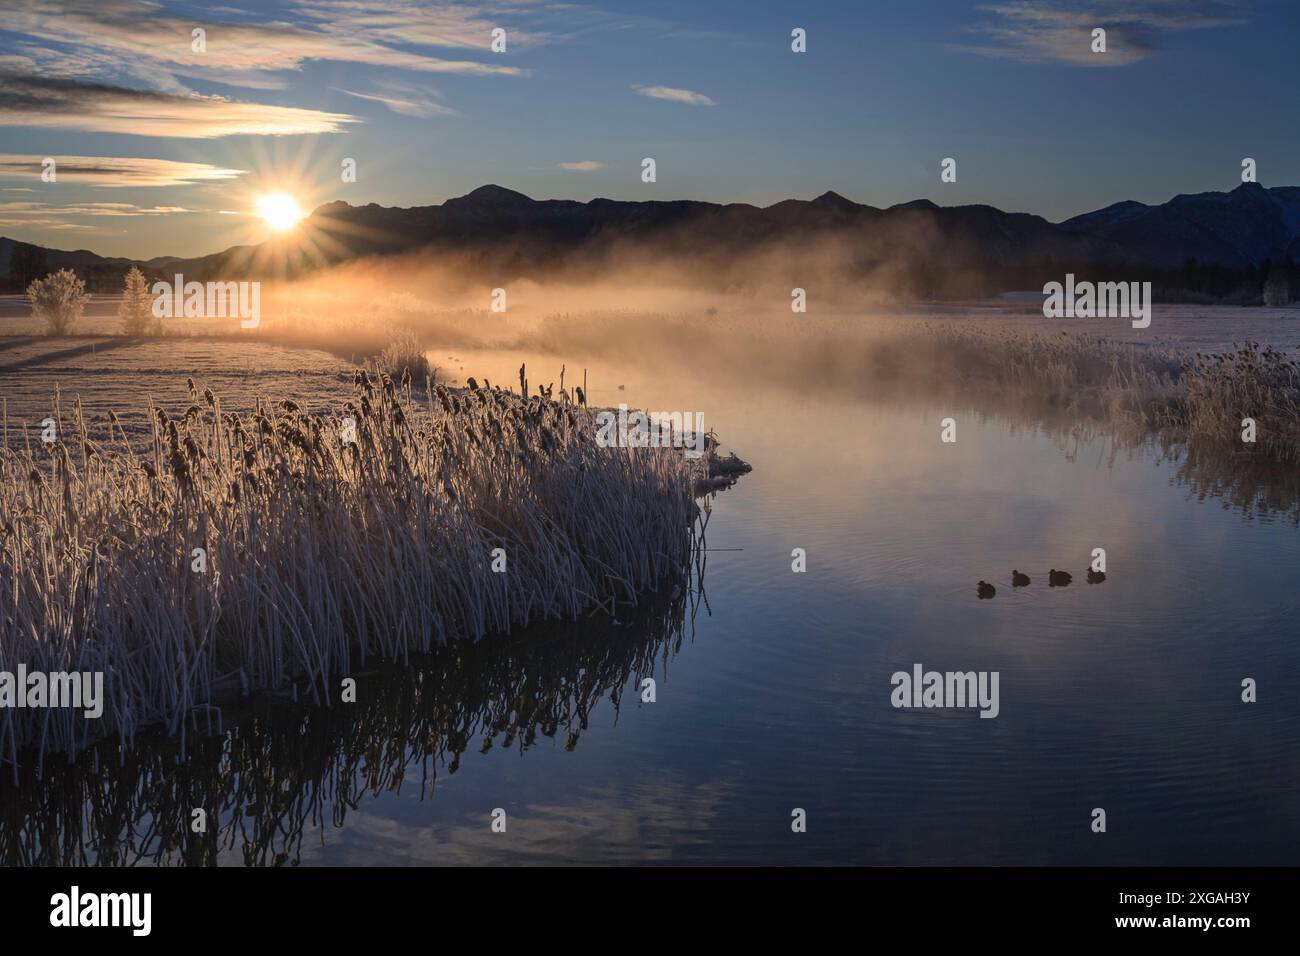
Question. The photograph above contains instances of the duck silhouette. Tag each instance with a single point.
(1058, 579)
(985, 590)
(1019, 580)
(1096, 577)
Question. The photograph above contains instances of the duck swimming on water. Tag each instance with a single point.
(1096, 577)
(1058, 579)
(1018, 579)
(985, 590)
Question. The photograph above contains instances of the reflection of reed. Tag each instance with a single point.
(1250, 482)
(286, 769)
(1247, 479)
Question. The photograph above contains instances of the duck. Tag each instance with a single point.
(1019, 580)
(1096, 577)
(1058, 579)
(985, 590)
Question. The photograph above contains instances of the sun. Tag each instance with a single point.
(280, 210)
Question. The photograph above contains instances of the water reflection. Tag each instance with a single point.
(1251, 483)
(1236, 474)
(286, 769)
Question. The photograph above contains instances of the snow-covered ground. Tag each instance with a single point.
(120, 374)
(1191, 327)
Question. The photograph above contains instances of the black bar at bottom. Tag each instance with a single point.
(334, 906)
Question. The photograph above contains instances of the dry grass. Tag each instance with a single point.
(1254, 381)
(403, 358)
(321, 554)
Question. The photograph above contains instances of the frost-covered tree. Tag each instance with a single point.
(1277, 287)
(136, 310)
(59, 299)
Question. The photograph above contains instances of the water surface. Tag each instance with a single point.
(773, 687)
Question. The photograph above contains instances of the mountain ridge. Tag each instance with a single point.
(503, 232)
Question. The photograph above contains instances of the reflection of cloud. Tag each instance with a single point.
(100, 108)
(585, 166)
(648, 821)
(1045, 31)
(114, 170)
(673, 95)
(407, 100)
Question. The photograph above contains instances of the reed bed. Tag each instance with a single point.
(404, 356)
(1130, 388)
(324, 549)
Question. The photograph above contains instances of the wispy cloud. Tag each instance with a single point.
(114, 171)
(93, 209)
(1044, 31)
(128, 66)
(406, 100)
(442, 25)
(103, 35)
(43, 224)
(36, 215)
(674, 95)
(585, 166)
(101, 108)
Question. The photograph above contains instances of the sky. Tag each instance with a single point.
(162, 148)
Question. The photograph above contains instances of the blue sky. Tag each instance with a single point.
(164, 150)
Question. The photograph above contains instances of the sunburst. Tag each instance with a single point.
(280, 210)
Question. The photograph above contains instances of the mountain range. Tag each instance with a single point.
(498, 234)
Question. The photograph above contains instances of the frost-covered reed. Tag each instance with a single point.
(327, 540)
(1143, 389)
